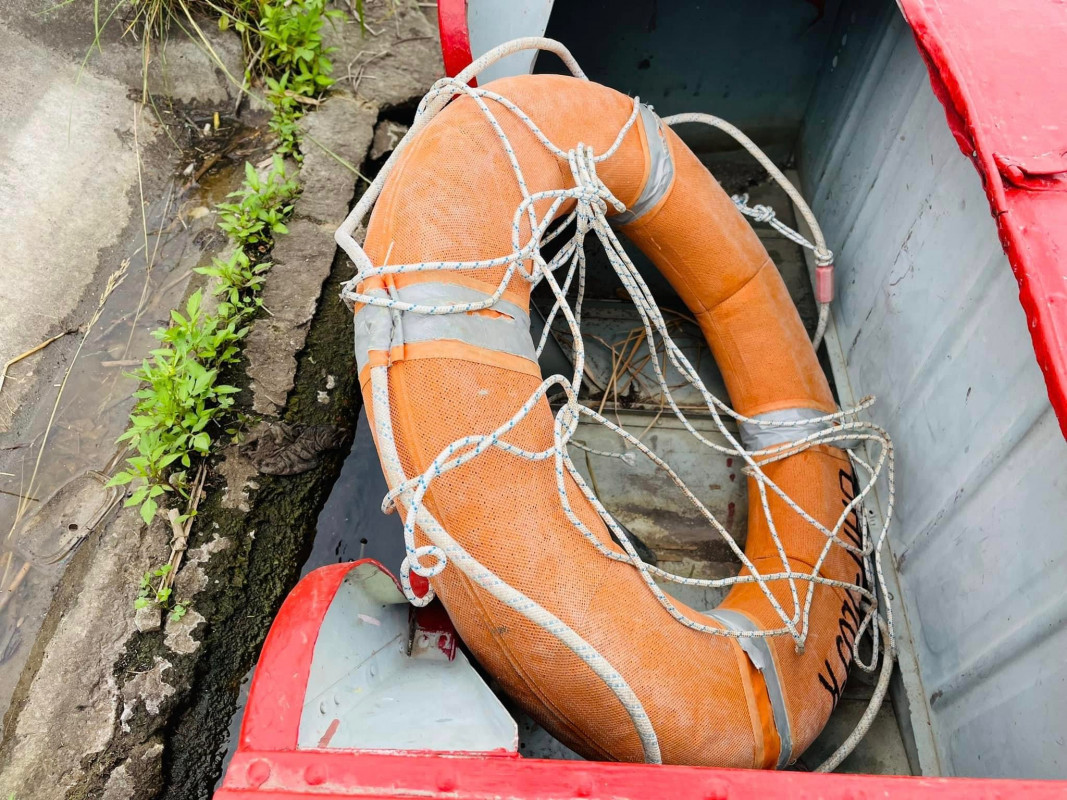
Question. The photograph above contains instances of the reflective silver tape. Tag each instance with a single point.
(379, 328)
(759, 653)
(661, 174)
(759, 437)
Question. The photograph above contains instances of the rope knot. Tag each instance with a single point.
(589, 191)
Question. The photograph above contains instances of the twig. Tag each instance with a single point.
(9, 592)
(245, 83)
(180, 540)
(361, 19)
(359, 76)
(307, 101)
(16, 494)
(28, 353)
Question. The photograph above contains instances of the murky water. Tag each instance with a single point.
(351, 524)
(52, 492)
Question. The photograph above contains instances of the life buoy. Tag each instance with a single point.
(710, 699)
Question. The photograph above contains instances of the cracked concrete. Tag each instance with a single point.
(107, 689)
(387, 134)
(341, 128)
(394, 62)
(179, 632)
(192, 579)
(149, 688)
(70, 707)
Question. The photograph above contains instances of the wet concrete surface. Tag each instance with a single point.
(47, 461)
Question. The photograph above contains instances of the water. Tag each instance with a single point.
(351, 524)
(48, 508)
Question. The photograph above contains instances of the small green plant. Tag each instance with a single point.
(182, 398)
(298, 67)
(285, 122)
(238, 282)
(181, 406)
(262, 207)
(155, 592)
(292, 39)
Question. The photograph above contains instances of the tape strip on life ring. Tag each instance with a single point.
(759, 653)
(660, 174)
(504, 327)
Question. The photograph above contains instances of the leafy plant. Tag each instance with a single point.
(285, 121)
(262, 207)
(182, 407)
(159, 594)
(298, 67)
(292, 38)
(238, 282)
(170, 421)
(181, 404)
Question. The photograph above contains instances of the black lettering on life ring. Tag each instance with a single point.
(848, 622)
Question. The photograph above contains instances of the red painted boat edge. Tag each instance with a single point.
(289, 775)
(994, 68)
(455, 36)
(276, 697)
(268, 764)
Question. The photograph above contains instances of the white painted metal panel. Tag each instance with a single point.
(928, 319)
(366, 691)
(493, 22)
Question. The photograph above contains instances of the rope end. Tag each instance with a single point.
(824, 283)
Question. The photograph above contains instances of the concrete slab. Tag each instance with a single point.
(393, 61)
(104, 689)
(67, 166)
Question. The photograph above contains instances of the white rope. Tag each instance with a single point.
(592, 200)
(823, 256)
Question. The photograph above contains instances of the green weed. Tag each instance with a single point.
(170, 422)
(182, 408)
(155, 592)
(182, 404)
(262, 206)
(238, 282)
(297, 66)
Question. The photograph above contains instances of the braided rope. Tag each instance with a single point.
(592, 199)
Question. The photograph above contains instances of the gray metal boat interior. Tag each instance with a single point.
(926, 318)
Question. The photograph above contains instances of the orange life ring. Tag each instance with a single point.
(712, 700)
